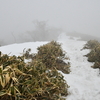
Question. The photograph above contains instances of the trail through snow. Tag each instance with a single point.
(84, 81)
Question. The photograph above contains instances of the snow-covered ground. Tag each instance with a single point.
(84, 81)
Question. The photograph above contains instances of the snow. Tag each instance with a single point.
(83, 80)
(17, 49)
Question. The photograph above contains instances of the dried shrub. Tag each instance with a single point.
(52, 56)
(34, 81)
(44, 84)
(91, 44)
(11, 68)
(27, 54)
(96, 65)
(94, 55)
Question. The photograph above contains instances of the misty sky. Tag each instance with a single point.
(82, 16)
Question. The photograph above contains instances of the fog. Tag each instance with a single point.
(17, 18)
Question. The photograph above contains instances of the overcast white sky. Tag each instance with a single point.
(81, 16)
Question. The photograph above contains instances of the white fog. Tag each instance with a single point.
(18, 18)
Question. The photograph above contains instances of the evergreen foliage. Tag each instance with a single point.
(34, 80)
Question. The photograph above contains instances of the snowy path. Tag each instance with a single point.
(84, 81)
